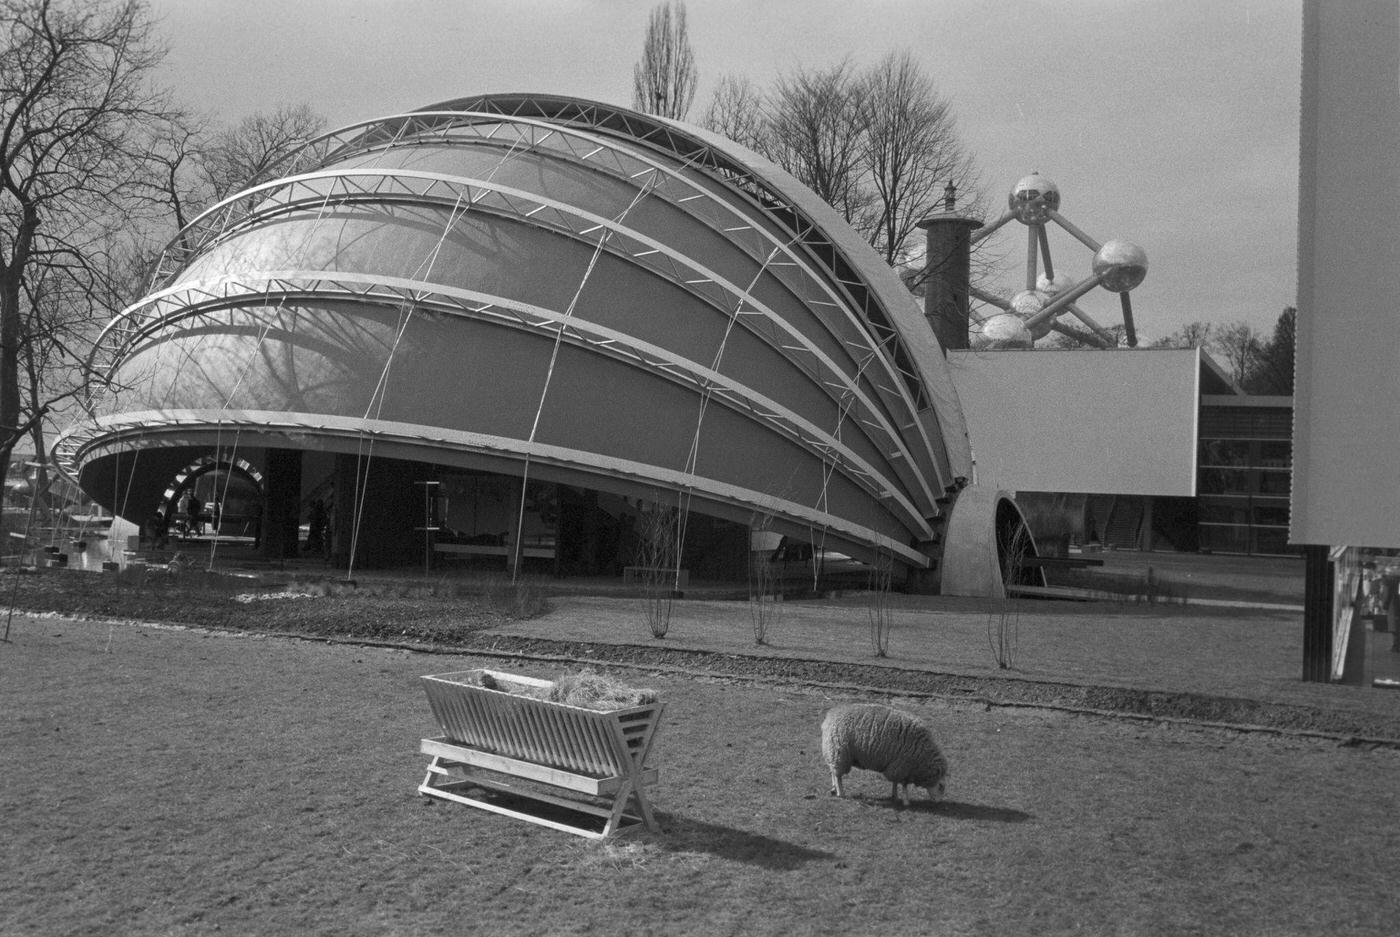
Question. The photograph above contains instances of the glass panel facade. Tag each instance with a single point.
(1223, 511)
(1225, 452)
(1270, 514)
(1275, 453)
(1247, 422)
(1224, 538)
(1246, 458)
(1217, 481)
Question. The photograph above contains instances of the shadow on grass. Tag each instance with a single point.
(686, 834)
(952, 809)
(679, 834)
(961, 811)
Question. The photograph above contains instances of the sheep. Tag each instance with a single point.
(880, 738)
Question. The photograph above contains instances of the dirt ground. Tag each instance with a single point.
(174, 782)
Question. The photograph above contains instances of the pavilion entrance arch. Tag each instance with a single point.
(235, 484)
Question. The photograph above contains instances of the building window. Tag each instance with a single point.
(1220, 481)
(1270, 513)
(1275, 453)
(1274, 481)
(1245, 474)
(1225, 452)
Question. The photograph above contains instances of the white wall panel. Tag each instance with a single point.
(1106, 422)
(1346, 445)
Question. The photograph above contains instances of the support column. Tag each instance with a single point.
(947, 266)
(343, 495)
(389, 505)
(282, 509)
(1317, 614)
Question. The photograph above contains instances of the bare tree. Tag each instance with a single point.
(663, 82)
(187, 166)
(74, 108)
(765, 585)
(658, 560)
(736, 112)
(879, 145)
(1257, 364)
(816, 133)
(194, 166)
(1240, 347)
(1191, 335)
(176, 183)
(911, 152)
(62, 305)
(1273, 371)
(878, 607)
(242, 155)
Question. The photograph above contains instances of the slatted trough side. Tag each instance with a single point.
(510, 730)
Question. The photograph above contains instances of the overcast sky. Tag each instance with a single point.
(1173, 123)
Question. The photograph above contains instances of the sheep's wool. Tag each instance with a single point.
(880, 738)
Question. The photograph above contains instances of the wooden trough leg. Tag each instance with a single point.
(434, 769)
(441, 776)
(644, 808)
(626, 794)
(619, 809)
(444, 774)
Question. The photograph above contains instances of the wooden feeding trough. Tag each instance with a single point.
(507, 749)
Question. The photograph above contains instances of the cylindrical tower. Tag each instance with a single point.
(948, 263)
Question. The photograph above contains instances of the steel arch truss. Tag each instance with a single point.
(168, 309)
(857, 341)
(337, 187)
(617, 142)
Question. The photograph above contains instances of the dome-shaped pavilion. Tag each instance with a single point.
(545, 289)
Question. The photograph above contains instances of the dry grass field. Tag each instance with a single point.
(161, 781)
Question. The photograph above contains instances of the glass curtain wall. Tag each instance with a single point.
(1246, 459)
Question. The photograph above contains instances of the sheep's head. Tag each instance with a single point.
(937, 790)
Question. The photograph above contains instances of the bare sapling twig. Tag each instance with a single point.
(658, 562)
(878, 608)
(1004, 622)
(765, 592)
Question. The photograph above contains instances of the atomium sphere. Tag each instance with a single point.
(1120, 265)
(1026, 304)
(1033, 198)
(1052, 287)
(1005, 331)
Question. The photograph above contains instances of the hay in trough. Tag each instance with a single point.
(585, 689)
(595, 691)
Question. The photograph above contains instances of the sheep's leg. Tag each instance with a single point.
(901, 795)
(836, 787)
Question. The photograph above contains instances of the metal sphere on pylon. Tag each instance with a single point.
(1026, 304)
(1033, 198)
(1120, 265)
(1029, 302)
(1053, 286)
(1005, 331)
